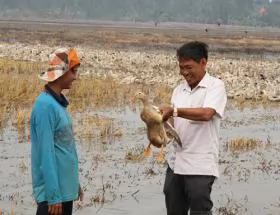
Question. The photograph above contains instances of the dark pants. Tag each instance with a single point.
(184, 193)
(42, 208)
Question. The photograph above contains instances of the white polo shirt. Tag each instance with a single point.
(200, 150)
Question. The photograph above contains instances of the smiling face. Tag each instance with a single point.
(192, 71)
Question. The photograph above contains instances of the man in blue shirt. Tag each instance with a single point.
(54, 160)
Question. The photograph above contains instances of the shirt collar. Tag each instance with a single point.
(204, 83)
(59, 98)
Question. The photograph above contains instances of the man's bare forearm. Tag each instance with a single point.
(196, 114)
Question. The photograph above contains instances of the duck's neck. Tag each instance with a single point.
(145, 101)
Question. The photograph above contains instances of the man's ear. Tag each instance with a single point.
(203, 62)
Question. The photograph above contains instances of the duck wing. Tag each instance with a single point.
(169, 129)
(150, 116)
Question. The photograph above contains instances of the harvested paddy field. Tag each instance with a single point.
(117, 60)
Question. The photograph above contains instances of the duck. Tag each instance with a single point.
(159, 132)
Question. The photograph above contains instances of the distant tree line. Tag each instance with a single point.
(244, 12)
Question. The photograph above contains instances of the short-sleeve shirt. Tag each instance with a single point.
(200, 139)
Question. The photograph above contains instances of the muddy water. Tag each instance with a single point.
(249, 182)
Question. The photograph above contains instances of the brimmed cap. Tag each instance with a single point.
(60, 61)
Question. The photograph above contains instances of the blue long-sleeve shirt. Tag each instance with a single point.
(54, 157)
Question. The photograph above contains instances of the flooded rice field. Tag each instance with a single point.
(116, 62)
(117, 181)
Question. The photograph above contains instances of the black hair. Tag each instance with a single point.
(193, 51)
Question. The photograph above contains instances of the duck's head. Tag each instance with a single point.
(140, 95)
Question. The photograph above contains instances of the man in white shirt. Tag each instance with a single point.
(198, 106)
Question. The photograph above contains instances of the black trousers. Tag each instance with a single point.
(184, 193)
(42, 208)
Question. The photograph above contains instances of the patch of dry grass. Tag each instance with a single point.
(241, 144)
(23, 165)
(162, 95)
(95, 126)
(3, 116)
(12, 212)
(10, 66)
(241, 103)
(233, 207)
(97, 199)
(21, 118)
(20, 85)
(96, 93)
(134, 154)
(117, 132)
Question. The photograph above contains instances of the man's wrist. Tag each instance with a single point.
(175, 112)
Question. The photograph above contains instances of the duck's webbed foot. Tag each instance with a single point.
(160, 156)
(148, 151)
